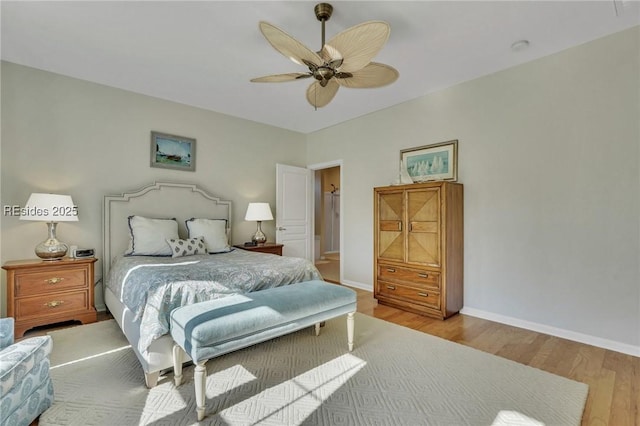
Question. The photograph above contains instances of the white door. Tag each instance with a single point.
(293, 210)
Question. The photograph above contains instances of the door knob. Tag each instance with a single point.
(280, 228)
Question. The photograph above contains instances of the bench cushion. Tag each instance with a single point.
(209, 329)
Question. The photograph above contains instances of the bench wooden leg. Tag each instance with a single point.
(200, 380)
(177, 364)
(318, 326)
(350, 326)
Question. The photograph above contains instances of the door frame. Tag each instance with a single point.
(314, 168)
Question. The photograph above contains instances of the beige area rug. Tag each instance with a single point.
(394, 376)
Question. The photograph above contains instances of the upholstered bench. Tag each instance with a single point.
(209, 329)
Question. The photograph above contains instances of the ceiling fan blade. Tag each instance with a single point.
(319, 96)
(279, 78)
(358, 45)
(373, 75)
(289, 46)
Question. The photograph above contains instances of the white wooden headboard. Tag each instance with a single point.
(158, 200)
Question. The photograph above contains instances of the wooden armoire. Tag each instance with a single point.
(418, 247)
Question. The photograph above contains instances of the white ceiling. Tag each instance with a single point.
(204, 53)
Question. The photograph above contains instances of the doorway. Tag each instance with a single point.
(327, 222)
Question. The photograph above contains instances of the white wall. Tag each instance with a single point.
(74, 137)
(549, 155)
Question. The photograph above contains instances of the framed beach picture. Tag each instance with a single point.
(431, 162)
(173, 152)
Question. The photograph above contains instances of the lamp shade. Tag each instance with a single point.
(50, 208)
(258, 212)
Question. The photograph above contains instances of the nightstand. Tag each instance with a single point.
(271, 248)
(45, 292)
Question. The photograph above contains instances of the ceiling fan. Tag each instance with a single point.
(345, 60)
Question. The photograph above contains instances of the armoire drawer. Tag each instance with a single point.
(419, 296)
(401, 274)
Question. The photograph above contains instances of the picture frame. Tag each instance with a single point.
(433, 162)
(173, 152)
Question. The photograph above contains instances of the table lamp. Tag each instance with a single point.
(50, 208)
(259, 212)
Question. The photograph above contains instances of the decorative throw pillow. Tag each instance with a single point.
(188, 247)
(214, 232)
(149, 236)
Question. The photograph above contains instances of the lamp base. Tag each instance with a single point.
(259, 237)
(51, 248)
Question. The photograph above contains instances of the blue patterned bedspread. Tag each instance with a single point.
(151, 287)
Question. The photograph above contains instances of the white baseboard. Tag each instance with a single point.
(361, 286)
(553, 331)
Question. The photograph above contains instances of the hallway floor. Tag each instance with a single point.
(329, 267)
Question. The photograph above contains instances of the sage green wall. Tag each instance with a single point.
(549, 156)
(70, 136)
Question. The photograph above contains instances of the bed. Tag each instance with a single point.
(142, 285)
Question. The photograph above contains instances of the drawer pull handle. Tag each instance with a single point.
(423, 275)
(423, 294)
(54, 303)
(391, 287)
(391, 270)
(54, 280)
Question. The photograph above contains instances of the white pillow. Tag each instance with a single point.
(149, 236)
(188, 247)
(214, 232)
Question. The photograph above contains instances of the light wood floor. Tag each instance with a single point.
(613, 378)
(329, 269)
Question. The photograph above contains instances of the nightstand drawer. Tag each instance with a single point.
(35, 283)
(51, 304)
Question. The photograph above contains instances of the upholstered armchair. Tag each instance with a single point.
(25, 383)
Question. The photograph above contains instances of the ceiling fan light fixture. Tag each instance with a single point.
(345, 60)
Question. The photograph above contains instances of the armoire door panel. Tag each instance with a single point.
(424, 249)
(391, 246)
(391, 232)
(390, 206)
(424, 226)
(430, 227)
(423, 206)
(391, 225)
